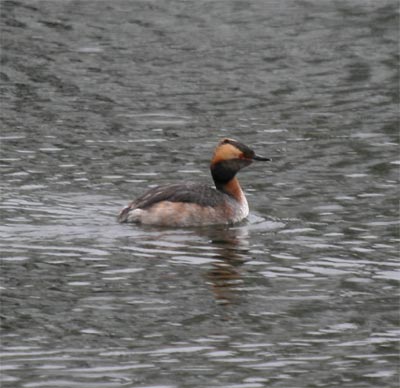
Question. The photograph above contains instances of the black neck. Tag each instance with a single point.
(222, 173)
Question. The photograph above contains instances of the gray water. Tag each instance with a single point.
(103, 99)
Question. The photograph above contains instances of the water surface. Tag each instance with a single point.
(102, 100)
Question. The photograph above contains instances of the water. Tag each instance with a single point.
(102, 100)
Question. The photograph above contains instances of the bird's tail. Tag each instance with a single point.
(124, 214)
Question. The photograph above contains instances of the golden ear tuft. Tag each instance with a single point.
(226, 150)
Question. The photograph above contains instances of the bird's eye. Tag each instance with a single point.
(225, 141)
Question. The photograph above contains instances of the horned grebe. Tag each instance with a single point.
(194, 204)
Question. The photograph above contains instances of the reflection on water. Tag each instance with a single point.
(105, 99)
(232, 250)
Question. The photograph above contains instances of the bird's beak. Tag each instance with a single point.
(261, 158)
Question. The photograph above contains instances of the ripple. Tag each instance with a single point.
(276, 364)
(159, 118)
(192, 260)
(390, 275)
(122, 270)
(284, 256)
(181, 349)
(70, 383)
(383, 373)
(89, 50)
(285, 273)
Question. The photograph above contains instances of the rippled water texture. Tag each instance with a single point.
(103, 99)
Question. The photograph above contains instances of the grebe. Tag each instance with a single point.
(194, 204)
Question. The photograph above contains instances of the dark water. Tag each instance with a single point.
(102, 99)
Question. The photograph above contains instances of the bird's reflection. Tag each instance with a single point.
(231, 249)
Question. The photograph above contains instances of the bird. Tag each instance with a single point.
(190, 204)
